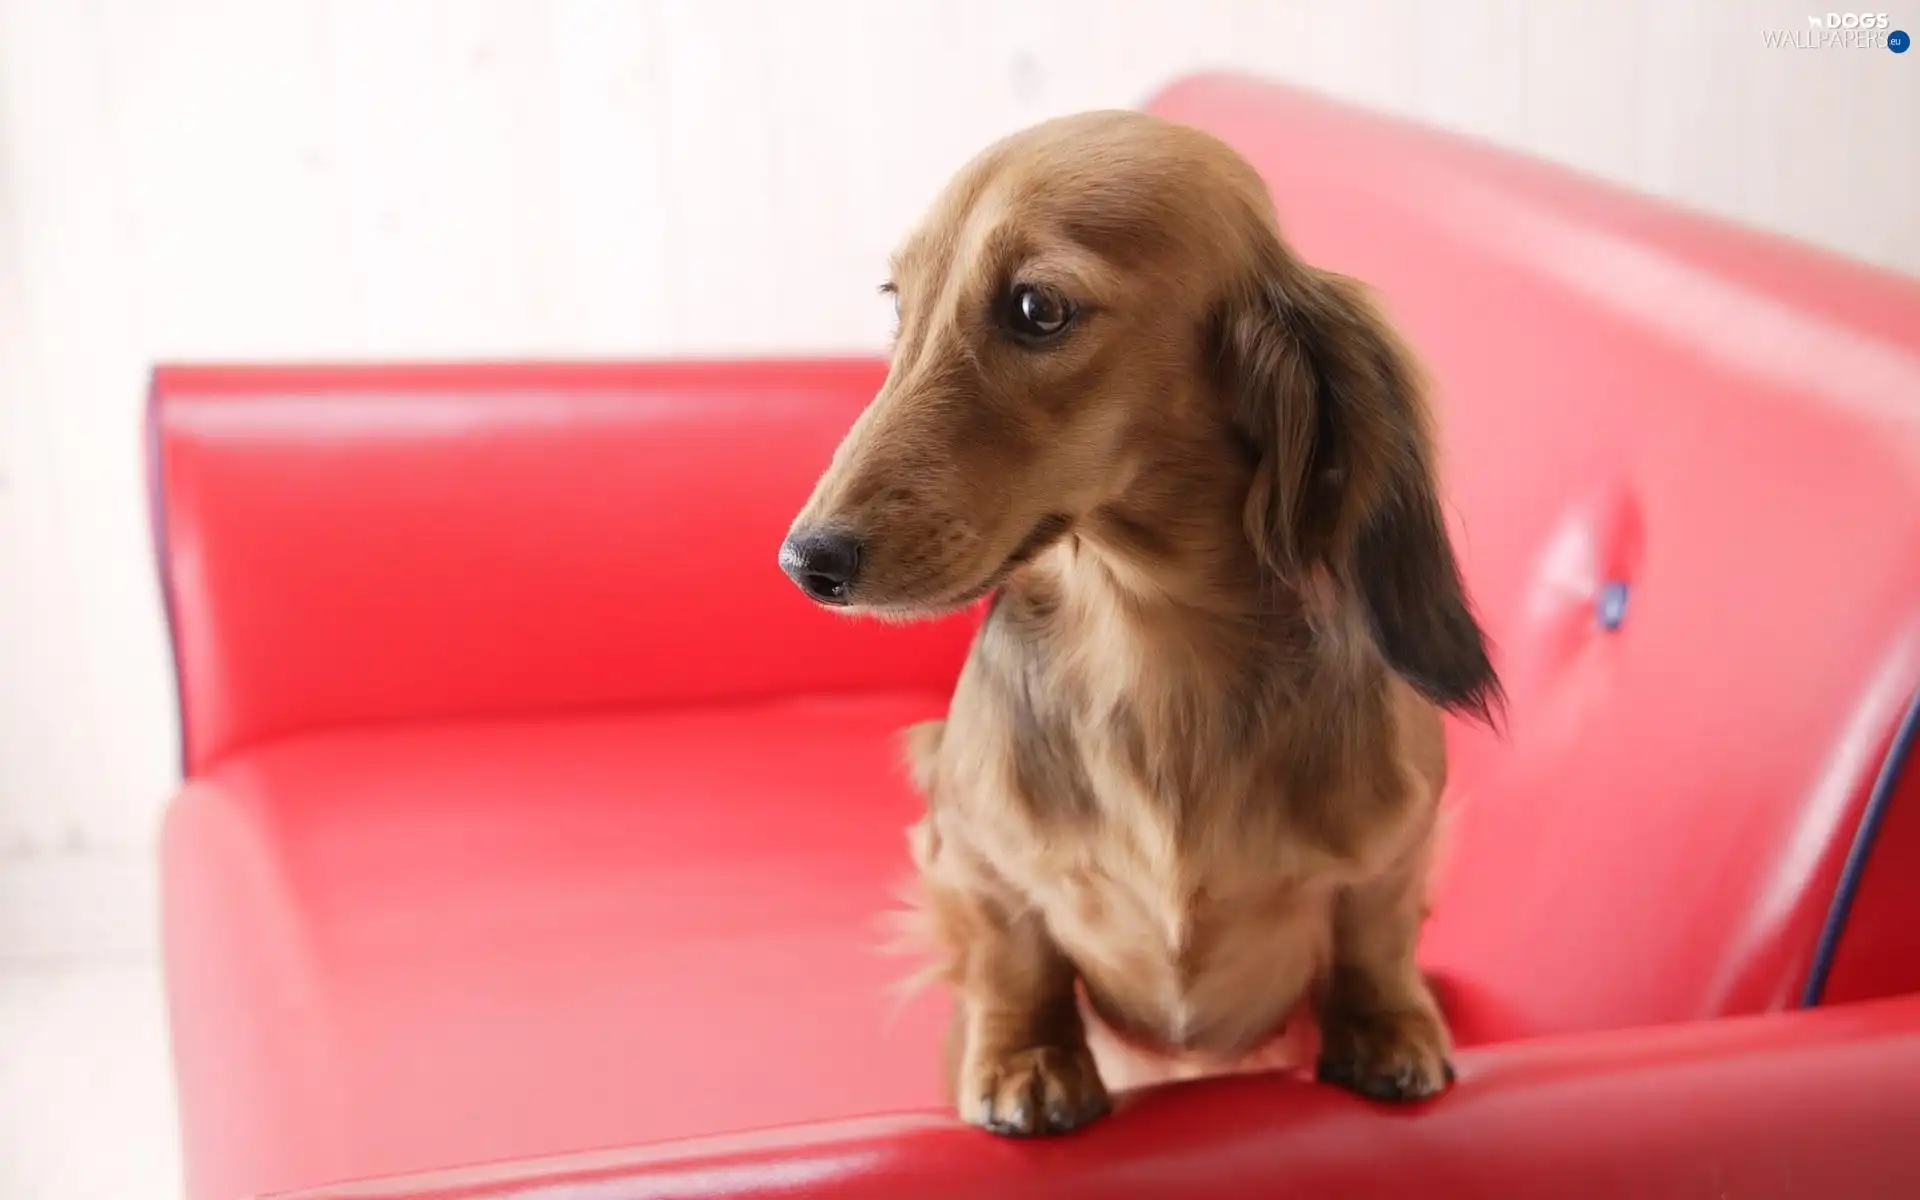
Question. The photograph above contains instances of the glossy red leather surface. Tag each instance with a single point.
(530, 810)
(413, 945)
(358, 544)
(1807, 1104)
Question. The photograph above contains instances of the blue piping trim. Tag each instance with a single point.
(1878, 802)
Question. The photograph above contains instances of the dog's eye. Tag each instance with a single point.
(892, 293)
(1036, 312)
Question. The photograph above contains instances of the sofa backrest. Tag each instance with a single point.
(348, 545)
(1684, 463)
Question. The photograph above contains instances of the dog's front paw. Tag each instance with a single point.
(1039, 1090)
(1397, 1055)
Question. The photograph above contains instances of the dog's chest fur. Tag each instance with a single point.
(1143, 816)
(1198, 948)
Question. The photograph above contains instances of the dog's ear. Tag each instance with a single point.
(1333, 406)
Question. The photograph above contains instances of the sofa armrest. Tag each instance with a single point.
(349, 545)
(1807, 1103)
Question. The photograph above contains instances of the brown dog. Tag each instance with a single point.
(1191, 769)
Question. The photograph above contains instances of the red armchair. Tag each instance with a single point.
(528, 811)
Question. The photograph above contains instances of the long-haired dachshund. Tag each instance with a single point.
(1188, 784)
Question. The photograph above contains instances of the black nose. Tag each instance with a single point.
(823, 564)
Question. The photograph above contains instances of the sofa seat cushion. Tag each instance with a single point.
(400, 948)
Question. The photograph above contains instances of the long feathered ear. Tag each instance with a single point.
(1335, 408)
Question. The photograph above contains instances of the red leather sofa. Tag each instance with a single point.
(529, 812)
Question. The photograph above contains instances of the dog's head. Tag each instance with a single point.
(1088, 300)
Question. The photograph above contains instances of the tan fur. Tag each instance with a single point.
(1188, 783)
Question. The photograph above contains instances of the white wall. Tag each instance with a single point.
(189, 179)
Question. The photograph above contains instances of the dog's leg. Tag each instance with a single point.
(1018, 1052)
(1381, 1033)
